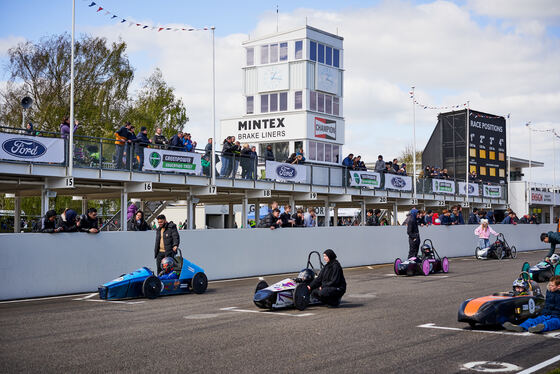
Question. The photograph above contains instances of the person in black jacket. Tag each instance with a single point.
(286, 217)
(413, 234)
(68, 222)
(268, 154)
(329, 285)
(141, 143)
(272, 220)
(167, 240)
(88, 222)
(137, 223)
(48, 223)
(473, 217)
(227, 156)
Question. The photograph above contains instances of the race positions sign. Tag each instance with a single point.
(487, 146)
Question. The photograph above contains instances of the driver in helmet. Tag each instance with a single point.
(427, 251)
(553, 260)
(329, 285)
(520, 288)
(167, 266)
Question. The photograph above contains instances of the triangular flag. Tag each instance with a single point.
(123, 20)
(161, 28)
(114, 16)
(100, 9)
(92, 4)
(145, 27)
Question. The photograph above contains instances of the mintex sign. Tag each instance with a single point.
(325, 128)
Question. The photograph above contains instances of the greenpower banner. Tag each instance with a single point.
(368, 179)
(492, 191)
(164, 160)
(443, 186)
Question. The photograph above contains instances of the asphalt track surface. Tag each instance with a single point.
(376, 329)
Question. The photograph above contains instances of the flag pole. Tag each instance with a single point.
(213, 161)
(71, 140)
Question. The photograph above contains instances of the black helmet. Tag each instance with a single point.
(306, 275)
(426, 249)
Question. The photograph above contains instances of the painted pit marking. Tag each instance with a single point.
(554, 335)
(236, 309)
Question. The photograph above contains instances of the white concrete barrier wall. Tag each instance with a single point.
(35, 265)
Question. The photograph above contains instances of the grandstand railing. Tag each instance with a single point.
(101, 153)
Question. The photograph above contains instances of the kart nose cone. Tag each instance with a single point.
(264, 299)
(102, 292)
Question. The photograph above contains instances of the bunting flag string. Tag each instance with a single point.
(476, 115)
(423, 106)
(104, 12)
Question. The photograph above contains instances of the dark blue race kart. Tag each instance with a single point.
(144, 283)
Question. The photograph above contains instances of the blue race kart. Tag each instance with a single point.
(144, 283)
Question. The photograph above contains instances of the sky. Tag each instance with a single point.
(503, 56)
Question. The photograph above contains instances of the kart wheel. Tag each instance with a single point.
(476, 253)
(445, 265)
(499, 254)
(261, 285)
(425, 267)
(151, 287)
(513, 251)
(301, 296)
(199, 283)
(396, 265)
(472, 324)
(525, 268)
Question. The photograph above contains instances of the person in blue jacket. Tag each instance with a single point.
(167, 266)
(553, 238)
(549, 319)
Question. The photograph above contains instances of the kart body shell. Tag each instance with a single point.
(499, 308)
(499, 250)
(428, 263)
(144, 283)
(542, 271)
(287, 293)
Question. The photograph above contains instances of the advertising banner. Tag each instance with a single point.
(473, 189)
(398, 182)
(285, 172)
(163, 160)
(443, 186)
(541, 197)
(365, 179)
(31, 148)
(492, 191)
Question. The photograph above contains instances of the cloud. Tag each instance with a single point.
(9, 42)
(439, 47)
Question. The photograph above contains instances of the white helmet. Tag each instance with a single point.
(554, 258)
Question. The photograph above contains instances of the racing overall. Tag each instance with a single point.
(413, 234)
(550, 315)
(329, 285)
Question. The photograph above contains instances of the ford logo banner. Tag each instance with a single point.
(24, 148)
(286, 171)
(398, 182)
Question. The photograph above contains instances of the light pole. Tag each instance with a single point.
(529, 194)
(413, 145)
(71, 140)
(508, 150)
(468, 143)
(213, 162)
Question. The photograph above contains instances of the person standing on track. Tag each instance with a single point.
(553, 238)
(329, 285)
(167, 240)
(413, 234)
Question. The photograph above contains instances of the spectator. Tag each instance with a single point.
(131, 211)
(286, 217)
(268, 154)
(369, 218)
(272, 220)
(208, 148)
(309, 218)
(253, 165)
(395, 165)
(188, 144)
(420, 218)
(245, 161)
(376, 217)
(459, 213)
(473, 217)
(428, 218)
(348, 161)
(389, 168)
(534, 219)
(299, 218)
(159, 138)
(490, 217)
(138, 223)
(444, 174)
(68, 221)
(509, 219)
(483, 232)
(176, 143)
(141, 142)
(167, 240)
(29, 128)
(48, 223)
(122, 141)
(446, 218)
(226, 157)
(380, 164)
(300, 153)
(236, 150)
(65, 127)
(88, 222)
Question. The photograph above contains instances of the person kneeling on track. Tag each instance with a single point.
(550, 315)
(167, 265)
(329, 285)
(553, 238)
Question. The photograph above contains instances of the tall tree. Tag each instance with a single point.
(157, 106)
(42, 71)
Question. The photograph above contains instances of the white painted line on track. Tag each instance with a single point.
(88, 296)
(543, 364)
(41, 298)
(235, 309)
(112, 301)
(554, 335)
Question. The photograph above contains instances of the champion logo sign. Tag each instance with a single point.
(286, 171)
(24, 148)
(325, 128)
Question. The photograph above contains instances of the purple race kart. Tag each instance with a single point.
(428, 262)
